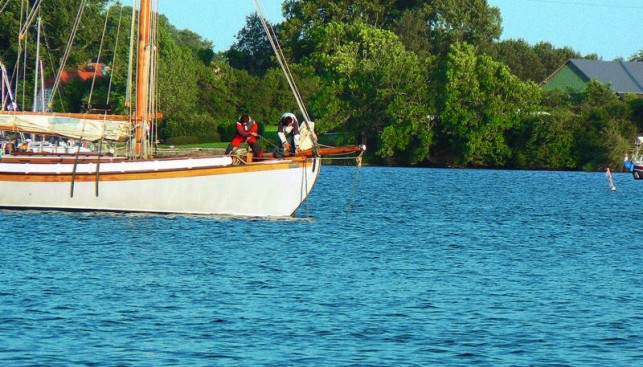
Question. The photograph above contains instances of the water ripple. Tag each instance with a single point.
(431, 267)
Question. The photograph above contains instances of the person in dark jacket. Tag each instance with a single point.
(246, 131)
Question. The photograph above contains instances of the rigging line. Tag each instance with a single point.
(15, 75)
(155, 96)
(296, 90)
(74, 170)
(586, 4)
(3, 6)
(30, 17)
(327, 158)
(100, 50)
(305, 187)
(42, 86)
(269, 141)
(279, 51)
(100, 154)
(24, 73)
(111, 77)
(153, 84)
(70, 42)
(128, 92)
(274, 42)
(52, 69)
(272, 38)
(36, 69)
(5, 79)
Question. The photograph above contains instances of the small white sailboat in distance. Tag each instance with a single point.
(608, 175)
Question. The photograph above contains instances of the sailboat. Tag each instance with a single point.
(208, 185)
(634, 161)
(610, 179)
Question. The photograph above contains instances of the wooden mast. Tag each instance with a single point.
(142, 75)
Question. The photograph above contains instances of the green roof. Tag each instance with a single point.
(624, 77)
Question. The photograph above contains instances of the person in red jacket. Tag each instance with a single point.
(246, 131)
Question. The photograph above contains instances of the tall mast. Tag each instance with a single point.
(142, 75)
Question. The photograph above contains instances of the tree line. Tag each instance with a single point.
(421, 83)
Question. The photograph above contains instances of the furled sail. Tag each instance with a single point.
(90, 127)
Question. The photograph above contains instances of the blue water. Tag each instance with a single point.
(393, 267)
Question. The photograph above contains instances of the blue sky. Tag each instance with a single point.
(609, 28)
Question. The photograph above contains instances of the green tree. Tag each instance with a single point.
(252, 51)
(551, 141)
(534, 63)
(606, 127)
(273, 95)
(373, 86)
(424, 27)
(552, 58)
(482, 102)
(591, 130)
(457, 21)
(201, 49)
(414, 34)
(178, 92)
(57, 16)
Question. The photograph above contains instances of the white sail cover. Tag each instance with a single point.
(307, 137)
(91, 129)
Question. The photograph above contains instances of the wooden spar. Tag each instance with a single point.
(142, 75)
(88, 116)
(329, 151)
(321, 152)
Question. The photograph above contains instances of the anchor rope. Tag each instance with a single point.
(351, 201)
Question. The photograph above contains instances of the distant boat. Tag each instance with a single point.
(139, 182)
(608, 174)
(634, 161)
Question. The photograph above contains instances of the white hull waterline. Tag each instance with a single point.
(210, 186)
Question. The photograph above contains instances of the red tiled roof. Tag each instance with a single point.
(68, 76)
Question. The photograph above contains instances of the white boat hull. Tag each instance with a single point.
(211, 186)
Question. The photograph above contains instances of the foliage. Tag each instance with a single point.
(252, 51)
(273, 95)
(588, 131)
(481, 103)
(551, 140)
(531, 63)
(637, 56)
(373, 86)
(57, 16)
(424, 27)
(182, 140)
(636, 104)
(456, 21)
(421, 82)
(606, 124)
